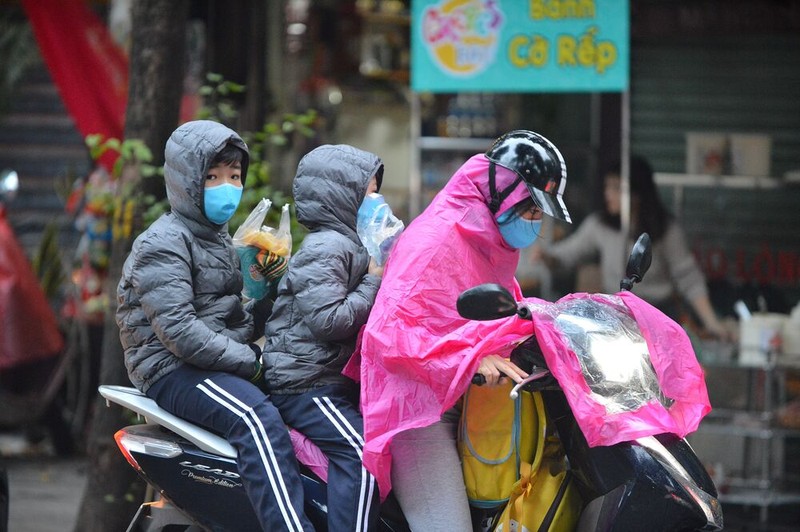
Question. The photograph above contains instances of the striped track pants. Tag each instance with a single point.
(238, 410)
(329, 417)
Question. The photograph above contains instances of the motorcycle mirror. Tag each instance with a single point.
(9, 183)
(486, 302)
(638, 262)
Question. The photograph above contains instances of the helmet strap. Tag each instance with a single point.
(497, 198)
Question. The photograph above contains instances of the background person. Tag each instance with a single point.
(674, 275)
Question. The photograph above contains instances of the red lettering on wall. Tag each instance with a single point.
(779, 267)
(741, 272)
(787, 267)
(716, 264)
(764, 266)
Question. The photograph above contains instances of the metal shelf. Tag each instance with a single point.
(454, 143)
(738, 430)
(746, 423)
(723, 181)
(768, 486)
(759, 497)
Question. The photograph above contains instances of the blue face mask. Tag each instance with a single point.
(220, 202)
(372, 210)
(517, 231)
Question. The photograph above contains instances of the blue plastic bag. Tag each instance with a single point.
(377, 227)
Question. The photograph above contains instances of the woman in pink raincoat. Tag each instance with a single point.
(417, 354)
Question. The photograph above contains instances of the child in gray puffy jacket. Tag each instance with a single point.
(185, 331)
(323, 301)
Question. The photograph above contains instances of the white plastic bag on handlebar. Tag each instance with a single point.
(627, 370)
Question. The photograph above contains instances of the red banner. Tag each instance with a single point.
(30, 329)
(87, 65)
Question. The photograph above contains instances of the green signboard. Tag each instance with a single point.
(519, 45)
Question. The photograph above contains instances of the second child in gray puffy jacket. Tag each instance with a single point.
(322, 303)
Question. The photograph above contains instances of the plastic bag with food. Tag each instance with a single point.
(263, 251)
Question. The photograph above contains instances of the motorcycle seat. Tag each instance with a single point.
(134, 400)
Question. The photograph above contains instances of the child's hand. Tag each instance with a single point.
(271, 265)
(374, 269)
(258, 376)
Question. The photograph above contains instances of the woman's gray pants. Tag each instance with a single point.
(427, 478)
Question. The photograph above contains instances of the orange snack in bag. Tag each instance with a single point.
(266, 240)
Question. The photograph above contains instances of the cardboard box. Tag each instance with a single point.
(743, 154)
(750, 154)
(705, 153)
(760, 336)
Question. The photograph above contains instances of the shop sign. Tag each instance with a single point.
(519, 45)
(767, 266)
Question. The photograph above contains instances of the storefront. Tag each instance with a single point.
(713, 105)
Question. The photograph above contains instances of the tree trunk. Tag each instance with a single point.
(114, 491)
(256, 96)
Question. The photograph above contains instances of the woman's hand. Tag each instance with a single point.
(712, 324)
(719, 331)
(494, 368)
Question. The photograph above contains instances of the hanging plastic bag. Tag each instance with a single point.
(255, 243)
(377, 227)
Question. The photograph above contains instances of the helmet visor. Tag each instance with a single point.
(551, 204)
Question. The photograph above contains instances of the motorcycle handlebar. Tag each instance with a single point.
(478, 379)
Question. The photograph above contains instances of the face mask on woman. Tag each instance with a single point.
(517, 231)
(220, 202)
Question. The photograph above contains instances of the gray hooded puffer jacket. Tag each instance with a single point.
(325, 297)
(178, 300)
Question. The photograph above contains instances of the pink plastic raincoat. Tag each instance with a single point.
(417, 354)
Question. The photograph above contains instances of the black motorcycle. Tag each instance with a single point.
(652, 483)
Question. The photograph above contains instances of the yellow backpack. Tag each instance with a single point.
(509, 453)
(493, 442)
(545, 498)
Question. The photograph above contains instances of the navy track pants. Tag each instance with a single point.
(242, 414)
(329, 417)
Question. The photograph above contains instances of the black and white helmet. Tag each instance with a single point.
(538, 163)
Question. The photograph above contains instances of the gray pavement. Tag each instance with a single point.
(44, 491)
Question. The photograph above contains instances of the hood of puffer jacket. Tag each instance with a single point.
(187, 159)
(330, 185)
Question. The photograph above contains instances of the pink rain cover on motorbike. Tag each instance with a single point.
(417, 354)
(671, 354)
